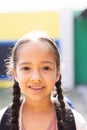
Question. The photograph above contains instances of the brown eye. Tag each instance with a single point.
(26, 68)
(46, 68)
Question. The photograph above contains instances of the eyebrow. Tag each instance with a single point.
(43, 62)
(24, 63)
(47, 62)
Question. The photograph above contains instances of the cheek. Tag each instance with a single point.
(21, 80)
(52, 79)
(20, 75)
(22, 85)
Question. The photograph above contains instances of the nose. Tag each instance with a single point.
(36, 76)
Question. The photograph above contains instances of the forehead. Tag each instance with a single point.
(35, 48)
(35, 45)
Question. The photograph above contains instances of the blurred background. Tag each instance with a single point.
(66, 21)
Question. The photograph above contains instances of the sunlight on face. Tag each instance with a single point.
(36, 69)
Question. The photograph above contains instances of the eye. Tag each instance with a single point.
(46, 68)
(26, 68)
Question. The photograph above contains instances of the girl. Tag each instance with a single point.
(35, 66)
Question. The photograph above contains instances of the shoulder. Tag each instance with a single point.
(4, 118)
(2, 111)
(79, 120)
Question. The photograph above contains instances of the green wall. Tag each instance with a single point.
(80, 31)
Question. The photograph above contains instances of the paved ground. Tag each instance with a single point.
(78, 96)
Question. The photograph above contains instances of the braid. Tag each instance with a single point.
(15, 107)
(61, 111)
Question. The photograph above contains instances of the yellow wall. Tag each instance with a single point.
(15, 25)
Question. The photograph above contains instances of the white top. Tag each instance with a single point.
(79, 120)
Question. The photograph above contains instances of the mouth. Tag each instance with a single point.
(36, 88)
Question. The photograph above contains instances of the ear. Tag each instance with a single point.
(14, 74)
(58, 74)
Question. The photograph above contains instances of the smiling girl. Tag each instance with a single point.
(35, 66)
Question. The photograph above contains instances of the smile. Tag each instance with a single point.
(36, 88)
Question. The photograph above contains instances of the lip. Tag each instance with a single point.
(36, 87)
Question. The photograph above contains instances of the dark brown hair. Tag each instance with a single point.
(41, 36)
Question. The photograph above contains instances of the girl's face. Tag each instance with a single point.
(36, 70)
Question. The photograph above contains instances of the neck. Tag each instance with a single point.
(38, 106)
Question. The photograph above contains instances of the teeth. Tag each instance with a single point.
(36, 87)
